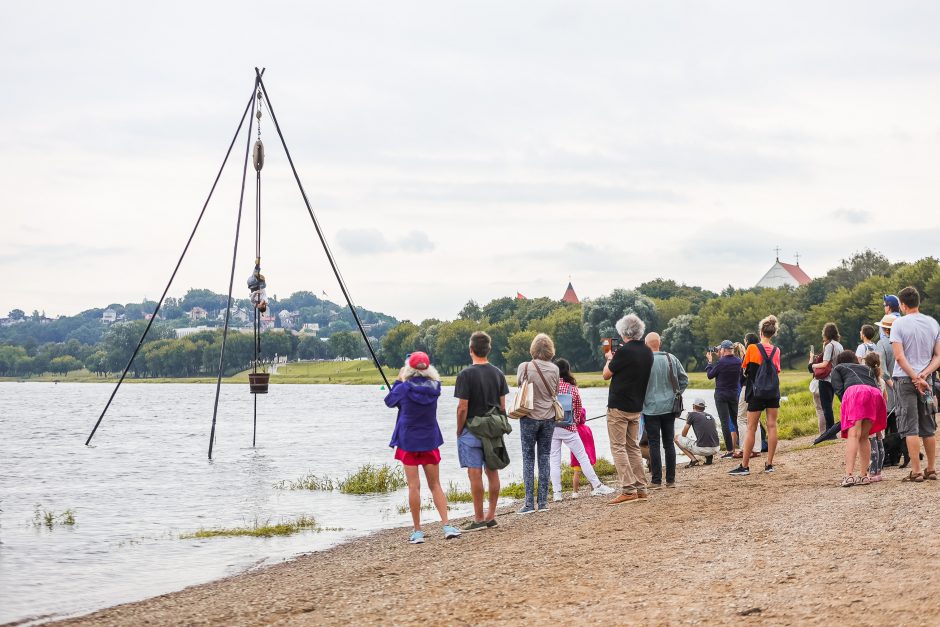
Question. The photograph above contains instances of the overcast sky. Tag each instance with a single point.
(463, 150)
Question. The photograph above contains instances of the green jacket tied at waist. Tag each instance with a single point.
(490, 429)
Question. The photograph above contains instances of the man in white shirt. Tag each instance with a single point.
(915, 340)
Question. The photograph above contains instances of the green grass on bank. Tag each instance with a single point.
(258, 529)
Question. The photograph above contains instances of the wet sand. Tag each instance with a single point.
(781, 549)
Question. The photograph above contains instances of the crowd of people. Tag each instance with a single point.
(888, 384)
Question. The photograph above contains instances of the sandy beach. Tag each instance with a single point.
(781, 549)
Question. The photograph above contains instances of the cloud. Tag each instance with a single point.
(856, 216)
(362, 242)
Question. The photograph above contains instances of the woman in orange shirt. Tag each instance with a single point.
(761, 397)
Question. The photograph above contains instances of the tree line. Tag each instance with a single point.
(690, 318)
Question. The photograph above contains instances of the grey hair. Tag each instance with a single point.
(631, 327)
(407, 372)
(542, 347)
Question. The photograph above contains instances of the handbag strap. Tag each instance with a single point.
(544, 381)
(673, 379)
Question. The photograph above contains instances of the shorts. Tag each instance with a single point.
(418, 458)
(470, 450)
(760, 404)
(692, 446)
(912, 414)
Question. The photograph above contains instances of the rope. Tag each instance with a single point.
(178, 263)
(316, 225)
(231, 280)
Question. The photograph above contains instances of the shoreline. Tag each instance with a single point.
(785, 548)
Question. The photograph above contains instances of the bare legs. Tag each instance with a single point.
(476, 490)
(688, 453)
(432, 474)
(857, 446)
(576, 480)
(913, 449)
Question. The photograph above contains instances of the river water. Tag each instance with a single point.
(146, 480)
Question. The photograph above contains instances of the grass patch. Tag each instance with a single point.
(371, 479)
(309, 481)
(455, 495)
(261, 529)
(797, 416)
(49, 519)
(427, 506)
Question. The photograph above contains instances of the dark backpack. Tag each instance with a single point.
(766, 383)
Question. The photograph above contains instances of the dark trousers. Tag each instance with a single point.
(727, 414)
(826, 395)
(662, 429)
(536, 436)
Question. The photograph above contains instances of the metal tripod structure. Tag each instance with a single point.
(259, 94)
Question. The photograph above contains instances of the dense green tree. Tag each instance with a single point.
(599, 316)
(499, 335)
(518, 350)
(679, 339)
(17, 314)
(347, 345)
(788, 337)
(500, 309)
(451, 348)
(312, 347)
(564, 327)
(398, 342)
(669, 308)
(471, 311)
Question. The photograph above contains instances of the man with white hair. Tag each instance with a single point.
(628, 370)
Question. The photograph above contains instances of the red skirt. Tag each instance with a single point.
(863, 402)
(418, 458)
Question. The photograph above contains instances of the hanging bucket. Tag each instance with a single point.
(258, 382)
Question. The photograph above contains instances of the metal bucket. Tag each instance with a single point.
(258, 382)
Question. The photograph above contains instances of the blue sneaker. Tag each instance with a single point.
(417, 537)
(451, 532)
(526, 509)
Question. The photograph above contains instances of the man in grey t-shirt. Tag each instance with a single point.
(915, 340)
(705, 427)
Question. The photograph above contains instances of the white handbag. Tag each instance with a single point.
(523, 402)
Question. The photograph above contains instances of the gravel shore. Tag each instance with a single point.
(781, 549)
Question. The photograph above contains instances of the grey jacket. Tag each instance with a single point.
(544, 395)
(883, 348)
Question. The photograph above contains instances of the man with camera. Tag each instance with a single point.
(628, 370)
(727, 374)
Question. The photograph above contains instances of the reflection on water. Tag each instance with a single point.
(146, 479)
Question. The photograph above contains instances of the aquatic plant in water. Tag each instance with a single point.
(309, 481)
(371, 479)
(265, 529)
(49, 519)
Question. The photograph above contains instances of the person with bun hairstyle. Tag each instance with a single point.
(757, 374)
(417, 437)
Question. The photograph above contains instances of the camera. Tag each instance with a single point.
(714, 349)
(611, 344)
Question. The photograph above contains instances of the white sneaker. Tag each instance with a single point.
(556, 496)
(602, 490)
(576, 495)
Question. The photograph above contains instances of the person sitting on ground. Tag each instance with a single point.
(915, 339)
(667, 380)
(479, 388)
(628, 371)
(570, 438)
(727, 374)
(877, 461)
(417, 437)
(867, 335)
(762, 391)
(706, 435)
(537, 429)
(863, 412)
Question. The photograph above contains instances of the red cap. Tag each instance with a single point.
(419, 361)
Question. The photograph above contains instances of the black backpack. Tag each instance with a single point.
(766, 384)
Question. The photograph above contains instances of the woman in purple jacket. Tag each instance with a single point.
(727, 375)
(417, 436)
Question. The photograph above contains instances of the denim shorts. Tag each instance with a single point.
(470, 450)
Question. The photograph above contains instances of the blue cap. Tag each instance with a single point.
(726, 344)
(892, 301)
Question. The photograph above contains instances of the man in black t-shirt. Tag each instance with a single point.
(629, 373)
(480, 387)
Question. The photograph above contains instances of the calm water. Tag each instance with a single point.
(146, 480)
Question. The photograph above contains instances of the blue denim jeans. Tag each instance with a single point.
(536, 434)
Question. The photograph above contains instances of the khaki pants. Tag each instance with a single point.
(623, 428)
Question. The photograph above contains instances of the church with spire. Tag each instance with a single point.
(782, 274)
(570, 296)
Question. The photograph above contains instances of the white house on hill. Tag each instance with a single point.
(782, 274)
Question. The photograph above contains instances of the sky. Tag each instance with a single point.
(462, 150)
